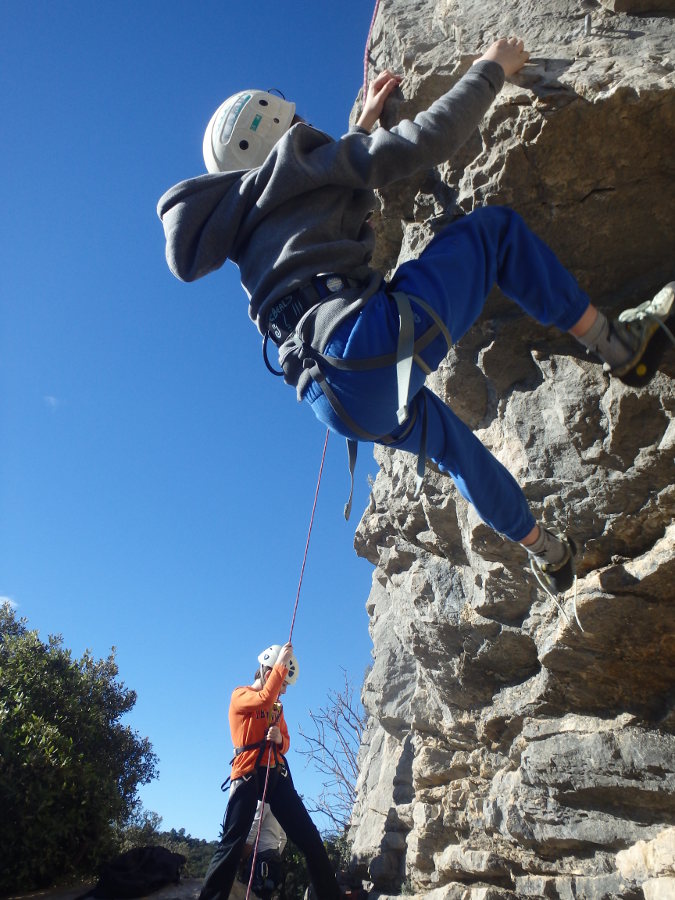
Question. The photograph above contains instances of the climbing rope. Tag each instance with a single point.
(290, 636)
(257, 837)
(662, 325)
(547, 590)
(309, 534)
(367, 50)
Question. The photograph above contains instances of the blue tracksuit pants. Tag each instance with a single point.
(453, 275)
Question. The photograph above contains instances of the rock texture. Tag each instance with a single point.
(652, 864)
(510, 754)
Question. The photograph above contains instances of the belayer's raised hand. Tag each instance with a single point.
(285, 654)
(378, 91)
(510, 53)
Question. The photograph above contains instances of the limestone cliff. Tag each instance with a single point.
(510, 754)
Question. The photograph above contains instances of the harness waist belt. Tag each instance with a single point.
(285, 314)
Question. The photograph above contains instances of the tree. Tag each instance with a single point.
(334, 749)
(69, 770)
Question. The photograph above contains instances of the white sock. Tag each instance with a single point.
(603, 340)
(548, 547)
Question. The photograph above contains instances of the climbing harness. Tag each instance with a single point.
(261, 746)
(408, 351)
(285, 313)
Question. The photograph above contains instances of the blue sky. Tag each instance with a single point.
(156, 482)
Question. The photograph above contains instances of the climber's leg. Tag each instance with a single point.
(453, 275)
(490, 488)
(492, 245)
(369, 396)
(480, 477)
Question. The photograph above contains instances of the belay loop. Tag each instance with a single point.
(269, 365)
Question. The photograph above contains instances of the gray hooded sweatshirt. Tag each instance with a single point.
(304, 211)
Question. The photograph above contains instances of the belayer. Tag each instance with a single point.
(260, 738)
(290, 206)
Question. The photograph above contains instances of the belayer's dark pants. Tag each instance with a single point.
(291, 814)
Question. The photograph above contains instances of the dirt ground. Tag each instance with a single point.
(185, 890)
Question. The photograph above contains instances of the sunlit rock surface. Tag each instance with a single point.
(509, 753)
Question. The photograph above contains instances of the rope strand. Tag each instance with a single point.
(295, 610)
(257, 837)
(309, 534)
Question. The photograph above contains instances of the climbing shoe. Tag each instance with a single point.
(558, 578)
(647, 330)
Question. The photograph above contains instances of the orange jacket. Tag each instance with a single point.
(251, 715)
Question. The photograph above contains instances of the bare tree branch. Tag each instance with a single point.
(333, 750)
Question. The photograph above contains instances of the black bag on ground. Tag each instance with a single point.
(137, 872)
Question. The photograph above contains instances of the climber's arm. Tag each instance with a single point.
(510, 53)
(378, 91)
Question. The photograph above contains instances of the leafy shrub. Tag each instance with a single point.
(69, 770)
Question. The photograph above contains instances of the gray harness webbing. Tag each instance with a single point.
(407, 353)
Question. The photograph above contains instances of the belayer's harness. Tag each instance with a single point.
(282, 327)
(279, 758)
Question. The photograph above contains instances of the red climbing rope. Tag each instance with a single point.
(257, 837)
(365, 55)
(295, 610)
(309, 534)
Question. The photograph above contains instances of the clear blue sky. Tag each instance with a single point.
(156, 482)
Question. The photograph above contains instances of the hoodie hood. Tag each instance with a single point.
(202, 219)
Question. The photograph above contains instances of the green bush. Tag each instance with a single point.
(69, 770)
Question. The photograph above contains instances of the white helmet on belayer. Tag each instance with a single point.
(268, 658)
(243, 130)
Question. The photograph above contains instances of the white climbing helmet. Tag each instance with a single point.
(271, 655)
(243, 130)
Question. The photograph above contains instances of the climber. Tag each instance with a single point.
(289, 205)
(260, 737)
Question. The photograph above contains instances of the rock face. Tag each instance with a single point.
(509, 753)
